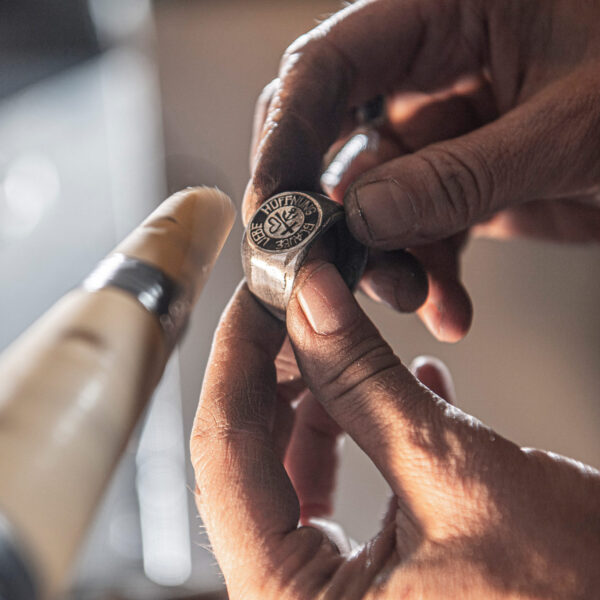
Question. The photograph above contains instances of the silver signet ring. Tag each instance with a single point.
(284, 232)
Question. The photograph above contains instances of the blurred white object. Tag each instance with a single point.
(116, 20)
(162, 487)
(31, 185)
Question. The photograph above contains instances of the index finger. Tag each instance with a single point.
(245, 497)
(364, 50)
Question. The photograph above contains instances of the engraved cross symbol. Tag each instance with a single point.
(286, 219)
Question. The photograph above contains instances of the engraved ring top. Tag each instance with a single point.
(285, 222)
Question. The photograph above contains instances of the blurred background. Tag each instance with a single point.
(106, 106)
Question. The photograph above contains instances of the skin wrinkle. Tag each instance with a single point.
(221, 434)
(358, 573)
(309, 561)
(454, 197)
(407, 225)
(479, 179)
(356, 209)
(374, 348)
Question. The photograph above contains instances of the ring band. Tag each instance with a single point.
(284, 232)
(154, 290)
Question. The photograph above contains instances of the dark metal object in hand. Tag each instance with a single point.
(284, 232)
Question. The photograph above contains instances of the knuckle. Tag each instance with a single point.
(459, 183)
(300, 58)
(217, 435)
(269, 91)
(310, 46)
(298, 46)
(265, 98)
(314, 56)
(401, 204)
(213, 427)
(362, 365)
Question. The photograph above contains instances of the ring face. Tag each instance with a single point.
(281, 236)
(285, 222)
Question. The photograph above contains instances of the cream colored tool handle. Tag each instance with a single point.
(73, 386)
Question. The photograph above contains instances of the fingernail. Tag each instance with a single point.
(327, 302)
(355, 146)
(382, 209)
(335, 532)
(433, 373)
(333, 175)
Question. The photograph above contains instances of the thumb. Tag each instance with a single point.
(437, 459)
(541, 148)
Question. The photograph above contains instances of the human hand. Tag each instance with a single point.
(472, 514)
(492, 114)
